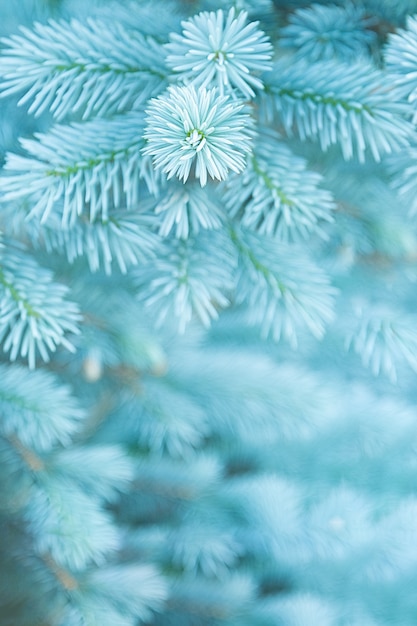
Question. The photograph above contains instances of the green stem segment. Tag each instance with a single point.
(17, 297)
(245, 251)
(269, 184)
(317, 98)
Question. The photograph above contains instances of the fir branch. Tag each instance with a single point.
(170, 421)
(384, 338)
(80, 169)
(278, 290)
(401, 62)
(130, 591)
(185, 210)
(125, 240)
(37, 408)
(102, 471)
(71, 67)
(190, 278)
(320, 33)
(205, 549)
(277, 195)
(69, 525)
(336, 103)
(34, 313)
(220, 50)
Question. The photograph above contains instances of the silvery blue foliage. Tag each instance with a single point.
(103, 471)
(395, 14)
(382, 337)
(209, 550)
(48, 414)
(337, 103)
(288, 294)
(403, 170)
(207, 313)
(219, 50)
(59, 173)
(57, 517)
(278, 196)
(123, 240)
(189, 278)
(120, 593)
(34, 312)
(401, 61)
(187, 213)
(61, 65)
(325, 32)
(141, 17)
(197, 128)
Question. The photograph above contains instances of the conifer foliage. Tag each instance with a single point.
(207, 313)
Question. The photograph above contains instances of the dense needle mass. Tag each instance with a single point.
(190, 126)
(214, 50)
